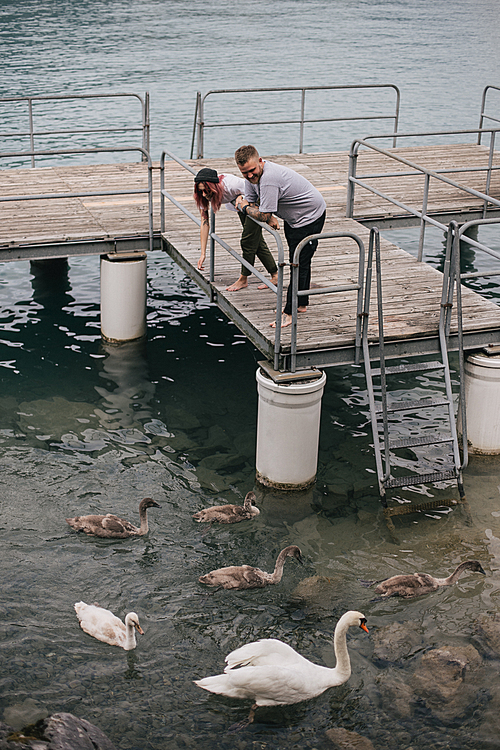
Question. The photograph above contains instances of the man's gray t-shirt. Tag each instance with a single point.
(284, 192)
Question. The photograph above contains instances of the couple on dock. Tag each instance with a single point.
(268, 189)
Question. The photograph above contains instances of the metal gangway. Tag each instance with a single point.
(384, 402)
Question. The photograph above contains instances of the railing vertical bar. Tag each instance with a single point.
(32, 133)
(302, 114)
(488, 174)
(423, 217)
(212, 244)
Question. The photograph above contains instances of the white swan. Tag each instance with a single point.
(271, 673)
(245, 577)
(408, 586)
(105, 626)
(111, 526)
(229, 513)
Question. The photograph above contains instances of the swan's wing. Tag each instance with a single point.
(116, 525)
(267, 651)
(101, 624)
(222, 514)
(266, 685)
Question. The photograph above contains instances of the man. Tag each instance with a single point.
(273, 189)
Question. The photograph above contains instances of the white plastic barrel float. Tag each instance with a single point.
(288, 431)
(482, 399)
(123, 296)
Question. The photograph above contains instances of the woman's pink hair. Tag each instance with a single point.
(216, 193)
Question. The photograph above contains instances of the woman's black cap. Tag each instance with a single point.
(207, 175)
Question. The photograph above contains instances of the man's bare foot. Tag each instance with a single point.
(274, 280)
(240, 283)
(286, 320)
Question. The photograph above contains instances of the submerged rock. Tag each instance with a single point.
(342, 739)
(395, 694)
(318, 594)
(61, 731)
(444, 681)
(396, 642)
(487, 631)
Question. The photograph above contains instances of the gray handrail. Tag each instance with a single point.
(354, 179)
(483, 116)
(278, 289)
(294, 281)
(32, 133)
(87, 193)
(200, 124)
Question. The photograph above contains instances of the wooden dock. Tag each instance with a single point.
(412, 290)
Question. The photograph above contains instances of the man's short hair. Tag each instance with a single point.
(244, 154)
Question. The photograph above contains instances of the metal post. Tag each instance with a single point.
(488, 174)
(302, 114)
(32, 135)
(145, 125)
(212, 244)
(422, 218)
(199, 155)
(353, 158)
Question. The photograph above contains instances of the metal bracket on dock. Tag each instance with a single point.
(289, 377)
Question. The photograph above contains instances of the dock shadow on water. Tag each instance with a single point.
(91, 428)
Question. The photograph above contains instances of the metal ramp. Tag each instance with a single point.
(385, 404)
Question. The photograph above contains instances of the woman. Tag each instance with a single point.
(212, 189)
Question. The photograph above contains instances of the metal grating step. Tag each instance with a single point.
(422, 403)
(422, 367)
(419, 479)
(427, 440)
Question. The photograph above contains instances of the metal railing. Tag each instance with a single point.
(33, 133)
(416, 170)
(483, 116)
(296, 293)
(200, 123)
(90, 193)
(455, 236)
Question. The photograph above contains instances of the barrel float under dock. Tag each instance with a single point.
(288, 431)
(123, 296)
(482, 399)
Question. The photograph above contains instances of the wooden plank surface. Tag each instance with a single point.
(411, 290)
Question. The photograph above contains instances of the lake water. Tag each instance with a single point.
(88, 428)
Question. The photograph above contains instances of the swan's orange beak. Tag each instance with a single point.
(363, 626)
(138, 628)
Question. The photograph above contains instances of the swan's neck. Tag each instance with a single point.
(454, 576)
(130, 636)
(247, 505)
(343, 662)
(278, 568)
(143, 515)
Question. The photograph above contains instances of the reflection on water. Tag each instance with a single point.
(174, 418)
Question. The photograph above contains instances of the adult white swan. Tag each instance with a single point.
(271, 673)
(105, 626)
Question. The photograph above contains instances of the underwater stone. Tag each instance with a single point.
(61, 731)
(342, 739)
(487, 629)
(395, 642)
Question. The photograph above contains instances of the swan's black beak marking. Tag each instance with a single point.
(362, 625)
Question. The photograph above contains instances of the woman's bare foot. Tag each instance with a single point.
(240, 283)
(286, 320)
(274, 280)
